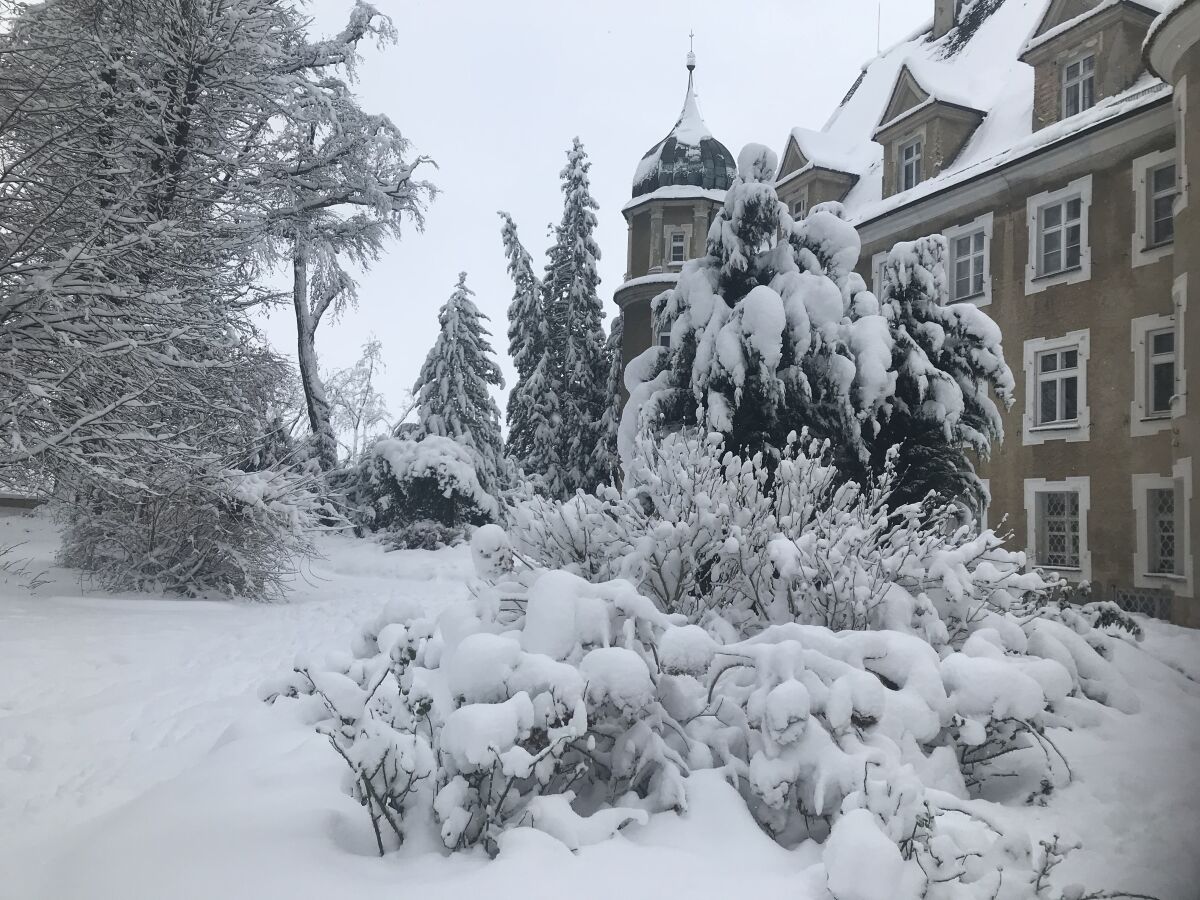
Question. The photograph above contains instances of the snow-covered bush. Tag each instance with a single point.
(578, 707)
(419, 490)
(218, 531)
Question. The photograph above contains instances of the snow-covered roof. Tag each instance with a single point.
(676, 192)
(977, 61)
(689, 155)
(827, 151)
(1153, 7)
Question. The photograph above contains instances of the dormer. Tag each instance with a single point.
(1083, 51)
(927, 121)
(817, 169)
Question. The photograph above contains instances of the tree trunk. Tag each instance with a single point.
(306, 354)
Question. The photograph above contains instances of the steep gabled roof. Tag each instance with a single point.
(981, 62)
(922, 82)
(807, 150)
(1063, 16)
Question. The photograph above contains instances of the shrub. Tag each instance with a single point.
(216, 531)
(423, 491)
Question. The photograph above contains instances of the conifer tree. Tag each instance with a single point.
(606, 461)
(574, 316)
(452, 389)
(532, 440)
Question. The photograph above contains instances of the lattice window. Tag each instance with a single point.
(1059, 529)
(1163, 537)
(1148, 602)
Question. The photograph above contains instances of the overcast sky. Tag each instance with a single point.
(495, 91)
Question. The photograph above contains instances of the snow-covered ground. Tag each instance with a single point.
(136, 762)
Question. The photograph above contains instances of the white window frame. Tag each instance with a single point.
(663, 337)
(982, 223)
(668, 232)
(1035, 282)
(1143, 254)
(1080, 485)
(918, 161)
(1142, 420)
(877, 261)
(1078, 82)
(1180, 481)
(1080, 429)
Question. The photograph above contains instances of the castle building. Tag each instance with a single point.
(1051, 143)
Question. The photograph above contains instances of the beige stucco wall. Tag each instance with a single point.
(1116, 293)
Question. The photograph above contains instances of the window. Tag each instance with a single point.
(1056, 406)
(1155, 186)
(800, 208)
(1163, 554)
(1079, 86)
(1160, 385)
(1057, 521)
(1058, 387)
(1164, 558)
(877, 263)
(1157, 371)
(970, 269)
(1059, 529)
(1058, 236)
(678, 247)
(664, 336)
(910, 164)
(1162, 201)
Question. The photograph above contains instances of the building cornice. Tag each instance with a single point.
(1097, 139)
(1170, 37)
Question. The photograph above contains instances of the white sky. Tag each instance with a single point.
(495, 91)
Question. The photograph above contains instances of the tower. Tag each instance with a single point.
(677, 187)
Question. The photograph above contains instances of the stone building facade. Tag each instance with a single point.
(1051, 143)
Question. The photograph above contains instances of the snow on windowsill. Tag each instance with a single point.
(1166, 576)
(1059, 274)
(1073, 425)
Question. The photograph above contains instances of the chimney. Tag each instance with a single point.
(944, 14)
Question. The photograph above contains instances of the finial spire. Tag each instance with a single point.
(691, 57)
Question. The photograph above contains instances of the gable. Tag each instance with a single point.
(793, 159)
(906, 94)
(1061, 11)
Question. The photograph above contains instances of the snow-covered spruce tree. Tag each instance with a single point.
(532, 403)
(605, 465)
(772, 331)
(946, 356)
(452, 389)
(575, 317)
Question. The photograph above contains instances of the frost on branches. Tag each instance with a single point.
(861, 673)
(772, 331)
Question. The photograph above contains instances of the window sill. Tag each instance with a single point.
(1073, 425)
(1045, 276)
(1166, 576)
(969, 298)
(1164, 245)
(1159, 417)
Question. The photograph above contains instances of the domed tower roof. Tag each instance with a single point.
(689, 155)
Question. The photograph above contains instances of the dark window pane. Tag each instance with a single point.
(1070, 359)
(1070, 398)
(1072, 71)
(962, 246)
(1163, 342)
(1049, 362)
(977, 283)
(1163, 376)
(979, 242)
(1048, 408)
(1163, 179)
(1074, 207)
(1052, 216)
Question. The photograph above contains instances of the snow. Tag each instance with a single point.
(984, 74)
(435, 456)
(676, 192)
(136, 761)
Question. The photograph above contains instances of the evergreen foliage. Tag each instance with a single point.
(605, 464)
(532, 440)
(452, 390)
(578, 362)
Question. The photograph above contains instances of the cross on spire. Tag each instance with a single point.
(691, 57)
